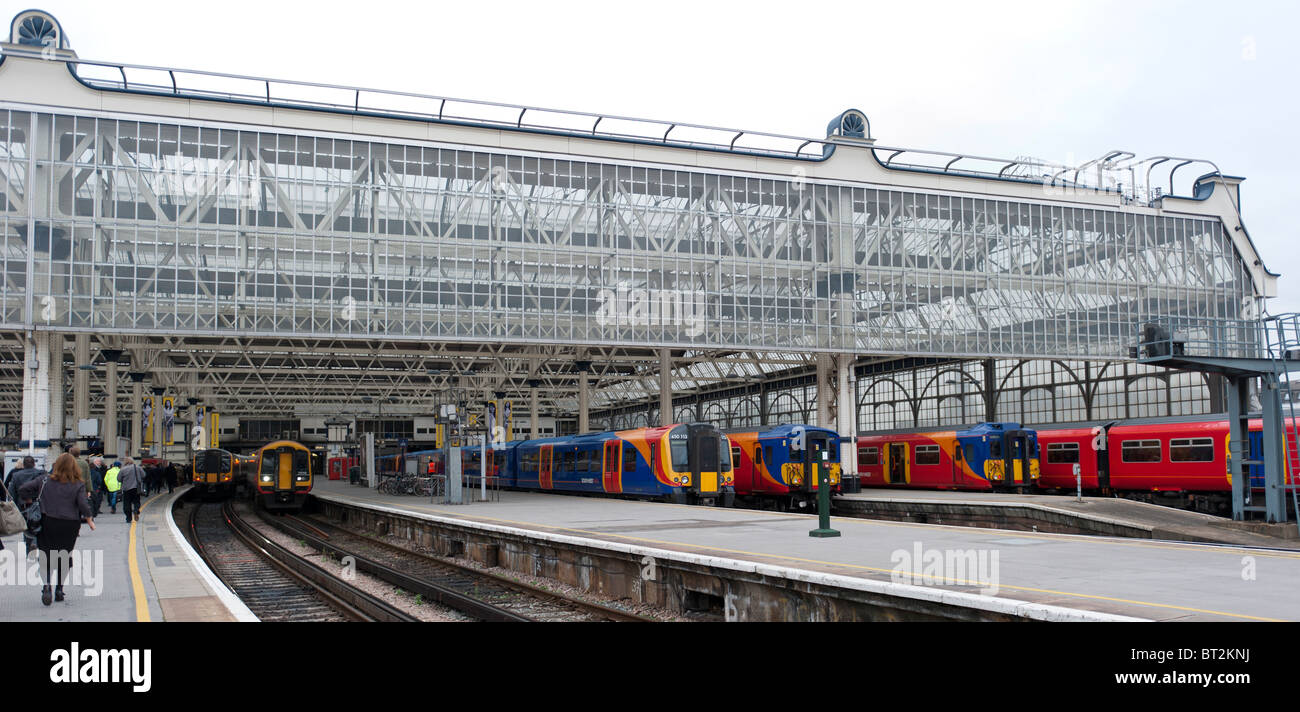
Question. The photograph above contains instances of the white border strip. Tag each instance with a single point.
(1099, 518)
(993, 604)
(214, 584)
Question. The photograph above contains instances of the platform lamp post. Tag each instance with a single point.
(822, 473)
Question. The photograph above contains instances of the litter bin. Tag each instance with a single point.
(354, 475)
(850, 484)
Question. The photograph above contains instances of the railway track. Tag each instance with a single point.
(274, 583)
(477, 593)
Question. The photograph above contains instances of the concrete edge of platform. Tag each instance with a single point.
(1099, 518)
(218, 588)
(992, 604)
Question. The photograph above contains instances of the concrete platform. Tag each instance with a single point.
(1109, 576)
(1064, 514)
(142, 572)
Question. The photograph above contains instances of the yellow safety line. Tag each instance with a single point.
(870, 568)
(137, 584)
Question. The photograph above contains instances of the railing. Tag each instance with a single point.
(1203, 337)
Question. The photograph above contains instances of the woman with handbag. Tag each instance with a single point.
(61, 504)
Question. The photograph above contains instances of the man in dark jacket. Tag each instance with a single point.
(170, 475)
(19, 477)
(131, 477)
(98, 488)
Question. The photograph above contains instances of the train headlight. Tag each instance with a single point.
(677, 480)
(266, 478)
(686, 480)
(796, 480)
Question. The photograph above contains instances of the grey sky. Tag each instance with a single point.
(1060, 81)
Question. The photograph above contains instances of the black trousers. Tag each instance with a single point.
(56, 540)
(131, 503)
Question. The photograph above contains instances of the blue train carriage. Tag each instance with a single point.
(772, 464)
(682, 463)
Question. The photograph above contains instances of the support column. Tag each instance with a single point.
(137, 410)
(1238, 424)
(36, 390)
(584, 397)
(156, 447)
(665, 387)
(990, 391)
(108, 434)
(58, 396)
(1270, 398)
(534, 421)
(80, 382)
(825, 388)
(846, 421)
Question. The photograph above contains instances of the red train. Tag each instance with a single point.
(1156, 460)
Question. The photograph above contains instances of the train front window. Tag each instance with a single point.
(724, 455)
(680, 456)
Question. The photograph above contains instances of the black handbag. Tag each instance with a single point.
(33, 513)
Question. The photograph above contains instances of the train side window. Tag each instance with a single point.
(758, 455)
(735, 453)
(927, 454)
(629, 457)
(654, 453)
(1191, 450)
(868, 456)
(1140, 451)
(767, 453)
(1062, 453)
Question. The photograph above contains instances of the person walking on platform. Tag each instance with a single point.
(169, 474)
(64, 507)
(112, 486)
(97, 485)
(83, 467)
(152, 478)
(17, 479)
(131, 477)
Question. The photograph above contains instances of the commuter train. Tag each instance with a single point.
(1182, 462)
(683, 463)
(279, 475)
(988, 456)
(771, 464)
(215, 471)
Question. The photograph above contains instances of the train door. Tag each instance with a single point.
(544, 480)
(958, 458)
(704, 457)
(1019, 451)
(818, 445)
(896, 465)
(613, 458)
(284, 468)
